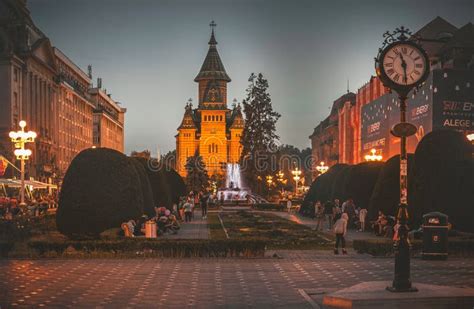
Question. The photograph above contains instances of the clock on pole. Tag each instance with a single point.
(402, 65)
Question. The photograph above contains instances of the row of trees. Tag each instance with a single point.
(440, 178)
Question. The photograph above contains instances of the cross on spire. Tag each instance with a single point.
(212, 25)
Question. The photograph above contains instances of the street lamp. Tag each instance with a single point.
(373, 156)
(281, 180)
(322, 168)
(19, 139)
(269, 182)
(296, 176)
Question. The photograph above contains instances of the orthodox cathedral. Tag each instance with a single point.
(211, 129)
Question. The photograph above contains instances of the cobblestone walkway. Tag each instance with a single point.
(204, 283)
(196, 229)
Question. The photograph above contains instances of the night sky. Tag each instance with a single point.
(149, 51)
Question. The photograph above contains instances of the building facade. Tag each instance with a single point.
(212, 129)
(445, 100)
(41, 85)
(75, 111)
(108, 119)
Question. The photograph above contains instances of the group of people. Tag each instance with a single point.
(338, 218)
(327, 212)
(37, 205)
(167, 221)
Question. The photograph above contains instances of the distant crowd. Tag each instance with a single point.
(37, 205)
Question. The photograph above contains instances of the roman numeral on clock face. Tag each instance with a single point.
(418, 65)
(390, 71)
(388, 64)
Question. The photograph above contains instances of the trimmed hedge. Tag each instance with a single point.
(101, 189)
(360, 182)
(166, 184)
(147, 193)
(384, 247)
(5, 247)
(445, 177)
(386, 193)
(321, 189)
(150, 247)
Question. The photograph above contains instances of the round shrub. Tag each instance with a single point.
(360, 181)
(445, 177)
(166, 184)
(101, 189)
(386, 192)
(321, 189)
(145, 187)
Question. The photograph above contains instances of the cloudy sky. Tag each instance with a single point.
(149, 51)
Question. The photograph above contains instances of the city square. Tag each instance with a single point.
(236, 154)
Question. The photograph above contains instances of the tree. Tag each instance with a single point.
(197, 178)
(259, 135)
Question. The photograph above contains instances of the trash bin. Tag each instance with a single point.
(150, 229)
(435, 236)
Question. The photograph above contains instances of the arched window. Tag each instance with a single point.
(213, 119)
(216, 149)
(210, 148)
(205, 118)
(221, 117)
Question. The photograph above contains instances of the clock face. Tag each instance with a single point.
(404, 64)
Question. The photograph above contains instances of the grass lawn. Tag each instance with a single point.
(279, 233)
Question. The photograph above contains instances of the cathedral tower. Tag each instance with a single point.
(210, 129)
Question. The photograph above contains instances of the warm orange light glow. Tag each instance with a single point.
(373, 156)
(322, 168)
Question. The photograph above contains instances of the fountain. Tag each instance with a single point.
(233, 190)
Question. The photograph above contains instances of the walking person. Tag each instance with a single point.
(204, 200)
(340, 229)
(288, 205)
(362, 216)
(328, 213)
(188, 210)
(319, 214)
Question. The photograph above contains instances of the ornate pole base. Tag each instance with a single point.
(401, 281)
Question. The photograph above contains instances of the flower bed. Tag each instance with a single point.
(270, 206)
(277, 232)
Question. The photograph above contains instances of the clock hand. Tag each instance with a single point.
(404, 66)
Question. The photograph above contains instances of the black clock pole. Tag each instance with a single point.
(401, 281)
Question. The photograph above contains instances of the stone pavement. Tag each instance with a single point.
(204, 283)
(196, 229)
(352, 234)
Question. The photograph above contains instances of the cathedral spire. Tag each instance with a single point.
(212, 68)
(212, 40)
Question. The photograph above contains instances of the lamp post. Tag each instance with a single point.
(322, 168)
(402, 65)
(19, 139)
(296, 176)
(269, 182)
(281, 180)
(373, 156)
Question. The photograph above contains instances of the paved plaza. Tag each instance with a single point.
(205, 283)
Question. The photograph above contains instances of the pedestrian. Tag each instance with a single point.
(362, 216)
(204, 200)
(319, 214)
(288, 205)
(340, 229)
(188, 210)
(336, 209)
(328, 213)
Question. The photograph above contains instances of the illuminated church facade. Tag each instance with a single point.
(211, 129)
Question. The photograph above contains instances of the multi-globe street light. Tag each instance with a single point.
(322, 168)
(20, 138)
(296, 176)
(373, 156)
